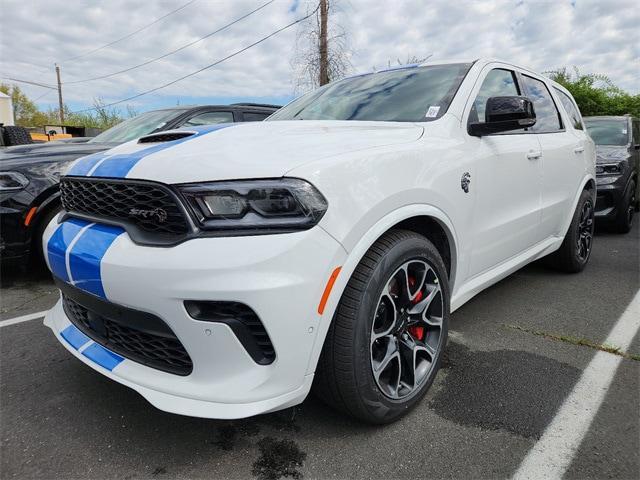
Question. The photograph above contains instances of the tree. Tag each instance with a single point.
(596, 94)
(321, 54)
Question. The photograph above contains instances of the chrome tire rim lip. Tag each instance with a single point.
(406, 331)
(586, 225)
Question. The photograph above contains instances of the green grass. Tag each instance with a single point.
(580, 341)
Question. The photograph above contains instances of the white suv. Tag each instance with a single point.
(224, 271)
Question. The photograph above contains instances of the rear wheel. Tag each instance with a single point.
(626, 210)
(574, 253)
(389, 331)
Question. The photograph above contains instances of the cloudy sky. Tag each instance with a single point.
(600, 36)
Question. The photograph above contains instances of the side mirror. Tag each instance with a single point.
(637, 146)
(504, 114)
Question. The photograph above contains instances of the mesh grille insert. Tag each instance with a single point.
(150, 207)
(159, 349)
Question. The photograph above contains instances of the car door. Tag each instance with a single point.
(208, 118)
(563, 145)
(508, 184)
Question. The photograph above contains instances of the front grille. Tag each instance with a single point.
(153, 345)
(149, 207)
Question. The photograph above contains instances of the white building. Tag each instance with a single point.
(6, 109)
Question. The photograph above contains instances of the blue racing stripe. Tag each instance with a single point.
(58, 243)
(84, 165)
(74, 337)
(103, 357)
(119, 165)
(86, 255)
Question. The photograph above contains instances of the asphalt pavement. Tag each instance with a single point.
(515, 353)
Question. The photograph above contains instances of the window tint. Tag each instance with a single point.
(547, 116)
(413, 94)
(254, 117)
(209, 118)
(135, 127)
(497, 83)
(608, 131)
(636, 132)
(572, 110)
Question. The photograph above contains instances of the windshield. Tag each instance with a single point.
(608, 132)
(136, 127)
(404, 95)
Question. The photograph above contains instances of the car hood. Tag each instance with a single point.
(249, 150)
(21, 155)
(611, 153)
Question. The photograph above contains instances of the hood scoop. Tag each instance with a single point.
(161, 137)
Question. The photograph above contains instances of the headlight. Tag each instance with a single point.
(244, 206)
(12, 181)
(608, 169)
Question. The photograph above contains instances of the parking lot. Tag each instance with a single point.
(515, 353)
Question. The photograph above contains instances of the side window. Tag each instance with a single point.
(497, 83)
(254, 116)
(636, 132)
(209, 118)
(547, 115)
(572, 110)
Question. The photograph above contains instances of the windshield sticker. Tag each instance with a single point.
(624, 131)
(432, 112)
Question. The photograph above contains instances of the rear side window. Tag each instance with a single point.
(497, 83)
(547, 115)
(572, 110)
(254, 116)
(209, 118)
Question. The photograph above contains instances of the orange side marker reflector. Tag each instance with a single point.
(30, 213)
(327, 290)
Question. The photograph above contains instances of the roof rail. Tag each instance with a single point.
(248, 104)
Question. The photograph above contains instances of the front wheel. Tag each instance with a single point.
(386, 340)
(626, 210)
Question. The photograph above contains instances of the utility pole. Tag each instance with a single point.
(324, 54)
(60, 104)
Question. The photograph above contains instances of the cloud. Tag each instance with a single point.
(595, 36)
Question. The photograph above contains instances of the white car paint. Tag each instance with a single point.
(523, 192)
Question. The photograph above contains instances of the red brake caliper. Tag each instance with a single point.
(416, 331)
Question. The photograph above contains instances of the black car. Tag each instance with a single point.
(29, 174)
(618, 162)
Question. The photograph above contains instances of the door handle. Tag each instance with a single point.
(578, 150)
(533, 155)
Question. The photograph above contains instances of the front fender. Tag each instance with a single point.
(360, 249)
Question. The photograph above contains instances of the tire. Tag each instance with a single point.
(37, 252)
(16, 136)
(626, 210)
(345, 375)
(572, 256)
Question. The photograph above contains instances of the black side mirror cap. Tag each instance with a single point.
(504, 114)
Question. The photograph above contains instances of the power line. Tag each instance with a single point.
(29, 82)
(206, 67)
(130, 34)
(48, 92)
(173, 51)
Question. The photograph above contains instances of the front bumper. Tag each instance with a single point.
(280, 277)
(609, 197)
